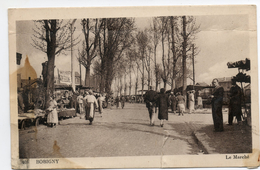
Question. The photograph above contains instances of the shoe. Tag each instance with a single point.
(90, 123)
(161, 125)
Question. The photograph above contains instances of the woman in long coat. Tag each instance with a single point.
(163, 103)
(217, 102)
(191, 101)
(52, 117)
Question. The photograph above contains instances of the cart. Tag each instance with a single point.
(33, 117)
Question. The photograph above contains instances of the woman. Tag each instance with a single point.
(90, 101)
(100, 100)
(191, 102)
(200, 104)
(52, 117)
(173, 102)
(217, 102)
(181, 103)
(80, 102)
(163, 105)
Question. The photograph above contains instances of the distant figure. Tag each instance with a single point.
(73, 102)
(163, 103)
(122, 102)
(217, 102)
(80, 102)
(109, 102)
(200, 104)
(20, 101)
(235, 103)
(52, 117)
(117, 102)
(191, 102)
(100, 100)
(173, 102)
(150, 98)
(66, 100)
(90, 102)
(181, 103)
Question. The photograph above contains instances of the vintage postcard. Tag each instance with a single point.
(134, 87)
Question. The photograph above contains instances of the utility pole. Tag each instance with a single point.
(72, 58)
(193, 63)
(80, 83)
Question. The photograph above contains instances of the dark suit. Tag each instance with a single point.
(217, 102)
(150, 98)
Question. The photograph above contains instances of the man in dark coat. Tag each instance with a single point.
(163, 104)
(117, 102)
(150, 100)
(235, 103)
(123, 102)
(217, 102)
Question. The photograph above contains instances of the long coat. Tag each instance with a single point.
(217, 102)
(163, 103)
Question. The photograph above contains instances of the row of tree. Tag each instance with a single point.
(118, 51)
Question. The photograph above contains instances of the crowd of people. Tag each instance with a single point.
(162, 101)
(85, 103)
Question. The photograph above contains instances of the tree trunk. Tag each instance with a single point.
(174, 56)
(164, 84)
(87, 76)
(51, 49)
(184, 84)
(109, 76)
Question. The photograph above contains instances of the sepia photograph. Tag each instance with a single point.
(135, 88)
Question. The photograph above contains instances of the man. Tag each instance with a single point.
(117, 102)
(181, 103)
(90, 102)
(122, 102)
(150, 98)
(235, 103)
(217, 102)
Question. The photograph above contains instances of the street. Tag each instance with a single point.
(119, 132)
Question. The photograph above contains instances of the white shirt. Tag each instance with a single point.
(91, 99)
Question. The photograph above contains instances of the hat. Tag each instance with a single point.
(90, 92)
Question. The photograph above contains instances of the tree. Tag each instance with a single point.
(91, 30)
(165, 62)
(142, 43)
(52, 37)
(155, 39)
(114, 39)
(189, 30)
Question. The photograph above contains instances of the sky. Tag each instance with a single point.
(221, 39)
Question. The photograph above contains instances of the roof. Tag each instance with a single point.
(224, 79)
(201, 84)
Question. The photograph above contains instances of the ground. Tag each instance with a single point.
(126, 132)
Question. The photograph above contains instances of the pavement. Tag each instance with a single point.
(126, 132)
(236, 138)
